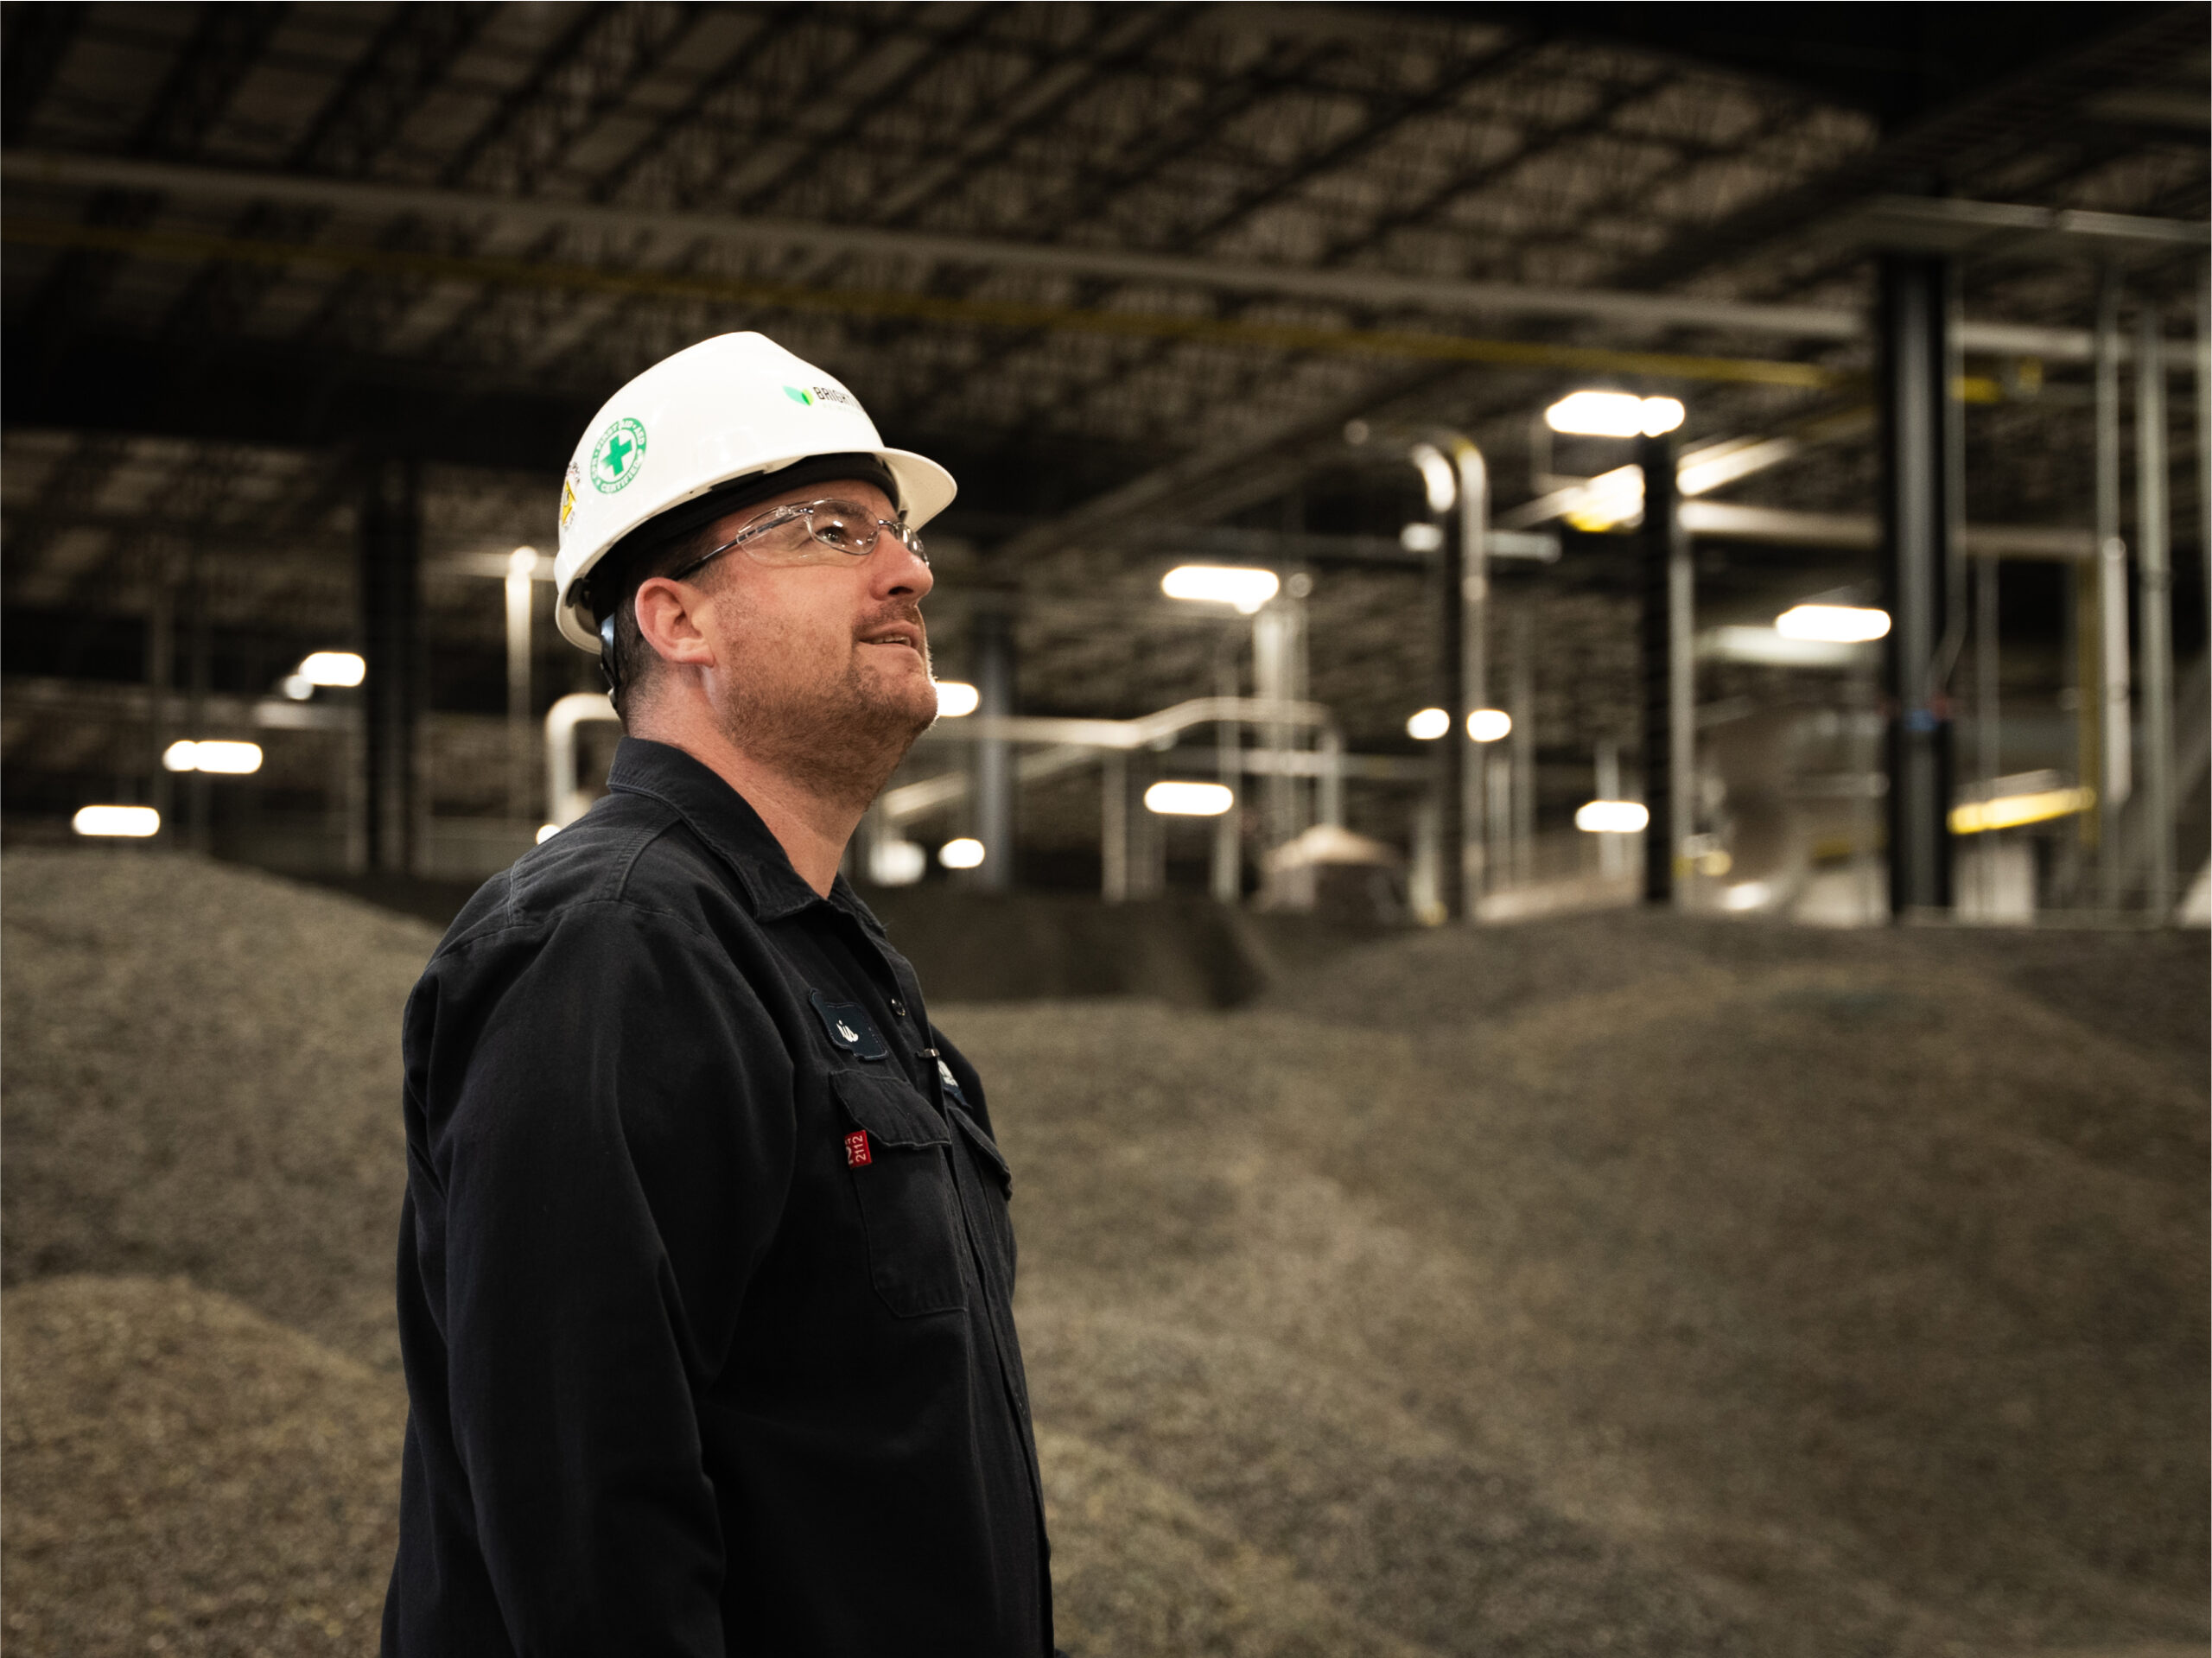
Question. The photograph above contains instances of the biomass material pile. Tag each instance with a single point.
(1618, 1285)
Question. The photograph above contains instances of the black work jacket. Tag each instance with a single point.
(705, 1269)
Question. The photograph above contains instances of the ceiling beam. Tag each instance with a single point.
(1369, 289)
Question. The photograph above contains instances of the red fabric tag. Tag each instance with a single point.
(857, 1154)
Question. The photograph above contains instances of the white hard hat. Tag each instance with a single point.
(731, 407)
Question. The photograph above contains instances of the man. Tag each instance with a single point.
(705, 1266)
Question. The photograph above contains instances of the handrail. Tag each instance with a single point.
(1077, 742)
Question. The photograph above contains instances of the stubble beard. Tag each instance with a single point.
(840, 739)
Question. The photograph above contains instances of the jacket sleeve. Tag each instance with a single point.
(610, 1119)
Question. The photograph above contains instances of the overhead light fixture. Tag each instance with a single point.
(1219, 584)
(955, 698)
(2011, 811)
(1189, 799)
(1438, 479)
(230, 760)
(1612, 817)
(129, 822)
(1835, 624)
(1613, 414)
(1489, 725)
(1429, 725)
(546, 832)
(895, 862)
(1611, 498)
(1420, 537)
(340, 668)
(298, 687)
(522, 564)
(964, 853)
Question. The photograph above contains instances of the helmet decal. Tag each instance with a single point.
(618, 457)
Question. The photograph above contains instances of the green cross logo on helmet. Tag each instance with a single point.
(618, 456)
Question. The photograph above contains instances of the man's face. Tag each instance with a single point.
(823, 667)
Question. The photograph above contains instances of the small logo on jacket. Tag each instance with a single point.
(857, 1154)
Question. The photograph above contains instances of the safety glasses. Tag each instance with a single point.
(809, 532)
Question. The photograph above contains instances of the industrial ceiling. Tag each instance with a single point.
(1129, 269)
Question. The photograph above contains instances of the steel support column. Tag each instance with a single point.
(1113, 826)
(1473, 476)
(2115, 778)
(1917, 409)
(161, 682)
(1523, 706)
(2204, 434)
(1669, 732)
(2154, 605)
(993, 643)
(525, 768)
(1452, 752)
(391, 597)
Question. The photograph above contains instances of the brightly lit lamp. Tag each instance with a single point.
(341, 669)
(1220, 584)
(1611, 818)
(222, 758)
(1613, 414)
(1489, 725)
(955, 698)
(122, 823)
(966, 853)
(1189, 799)
(1833, 623)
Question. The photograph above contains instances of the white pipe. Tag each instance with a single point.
(1079, 742)
(565, 802)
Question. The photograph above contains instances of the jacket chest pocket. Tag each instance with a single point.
(907, 1201)
(993, 1186)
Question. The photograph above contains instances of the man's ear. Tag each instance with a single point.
(668, 624)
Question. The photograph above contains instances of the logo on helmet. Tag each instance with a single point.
(811, 394)
(618, 456)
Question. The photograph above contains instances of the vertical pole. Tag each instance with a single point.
(1681, 696)
(2154, 605)
(1113, 826)
(993, 634)
(522, 769)
(2204, 435)
(1474, 656)
(1989, 759)
(390, 549)
(1606, 765)
(1226, 879)
(1273, 676)
(161, 684)
(1147, 831)
(1523, 710)
(1451, 807)
(197, 668)
(1917, 405)
(2115, 733)
(1665, 576)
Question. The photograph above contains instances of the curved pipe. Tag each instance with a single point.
(564, 801)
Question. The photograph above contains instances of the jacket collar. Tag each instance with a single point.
(725, 820)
